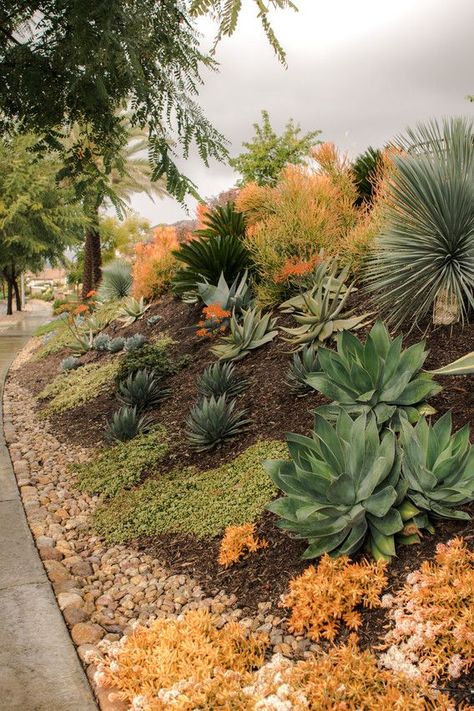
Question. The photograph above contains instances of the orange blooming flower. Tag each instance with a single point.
(202, 332)
(216, 311)
(91, 293)
(82, 308)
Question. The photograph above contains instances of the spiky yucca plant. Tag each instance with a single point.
(304, 363)
(342, 487)
(208, 258)
(319, 312)
(116, 281)
(220, 379)
(214, 421)
(142, 389)
(438, 466)
(126, 423)
(426, 253)
(376, 376)
(131, 310)
(253, 331)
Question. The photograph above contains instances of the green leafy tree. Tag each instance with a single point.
(38, 219)
(268, 153)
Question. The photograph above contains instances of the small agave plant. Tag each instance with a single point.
(253, 331)
(377, 377)
(142, 389)
(131, 310)
(304, 363)
(319, 311)
(220, 379)
(236, 297)
(69, 363)
(214, 421)
(126, 424)
(342, 488)
(438, 466)
(82, 343)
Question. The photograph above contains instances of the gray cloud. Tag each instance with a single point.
(360, 72)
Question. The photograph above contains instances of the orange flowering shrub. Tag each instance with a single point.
(290, 223)
(238, 542)
(214, 322)
(155, 264)
(323, 598)
(188, 664)
(433, 616)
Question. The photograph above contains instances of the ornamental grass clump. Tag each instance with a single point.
(377, 377)
(342, 488)
(238, 542)
(423, 262)
(438, 467)
(432, 616)
(322, 599)
(247, 333)
(214, 421)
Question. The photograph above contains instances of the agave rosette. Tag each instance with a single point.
(438, 467)
(252, 331)
(342, 488)
(377, 376)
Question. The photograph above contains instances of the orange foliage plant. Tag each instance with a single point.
(155, 263)
(324, 597)
(238, 542)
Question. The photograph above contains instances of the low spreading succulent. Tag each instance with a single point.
(142, 389)
(69, 363)
(438, 466)
(236, 297)
(252, 331)
(153, 319)
(101, 342)
(342, 487)
(214, 421)
(131, 310)
(126, 423)
(116, 344)
(319, 312)
(304, 363)
(220, 379)
(134, 342)
(377, 376)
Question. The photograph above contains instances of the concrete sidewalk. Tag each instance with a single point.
(39, 668)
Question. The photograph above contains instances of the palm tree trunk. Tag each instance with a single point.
(96, 258)
(88, 271)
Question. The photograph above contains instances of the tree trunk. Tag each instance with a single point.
(88, 272)
(96, 259)
(16, 289)
(9, 298)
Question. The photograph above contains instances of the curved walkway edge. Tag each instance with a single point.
(39, 668)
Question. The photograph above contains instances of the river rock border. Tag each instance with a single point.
(100, 589)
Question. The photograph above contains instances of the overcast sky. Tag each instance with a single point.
(358, 71)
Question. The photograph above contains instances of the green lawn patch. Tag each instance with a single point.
(194, 502)
(121, 466)
(76, 387)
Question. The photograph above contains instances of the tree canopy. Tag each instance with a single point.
(268, 153)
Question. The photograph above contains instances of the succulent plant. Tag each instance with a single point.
(319, 312)
(83, 342)
(116, 344)
(131, 310)
(151, 320)
(342, 487)
(304, 362)
(126, 423)
(134, 342)
(253, 331)
(116, 281)
(376, 376)
(461, 366)
(438, 466)
(101, 342)
(236, 297)
(214, 421)
(142, 389)
(327, 277)
(69, 363)
(220, 379)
